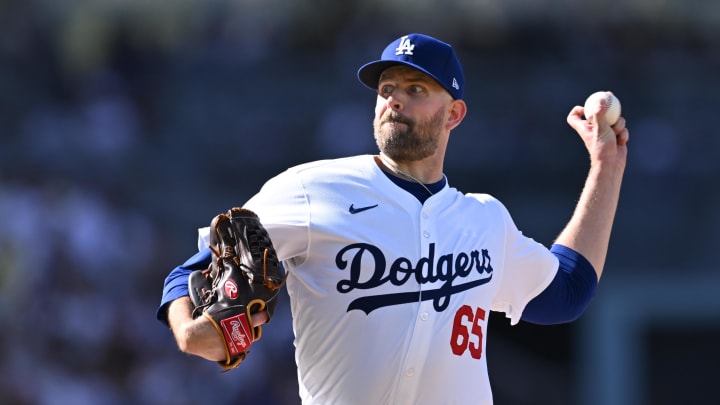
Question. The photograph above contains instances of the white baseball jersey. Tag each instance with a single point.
(390, 297)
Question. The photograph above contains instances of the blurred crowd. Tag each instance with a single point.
(125, 126)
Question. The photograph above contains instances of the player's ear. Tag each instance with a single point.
(458, 110)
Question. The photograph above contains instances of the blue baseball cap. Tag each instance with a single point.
(426, 54)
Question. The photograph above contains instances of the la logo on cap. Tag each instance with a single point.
(406, 47)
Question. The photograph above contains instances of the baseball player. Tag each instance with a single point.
(392, 273)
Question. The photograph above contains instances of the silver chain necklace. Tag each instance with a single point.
(403, 174)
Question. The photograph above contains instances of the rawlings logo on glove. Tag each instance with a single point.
(236, 331)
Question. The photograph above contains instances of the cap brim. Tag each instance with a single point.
(369, 74)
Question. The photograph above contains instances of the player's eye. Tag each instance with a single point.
(386, 89)
(416, 89)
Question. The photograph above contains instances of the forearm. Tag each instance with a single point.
(588, 231)
(194, 336)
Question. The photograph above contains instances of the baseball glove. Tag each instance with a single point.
(244, 278)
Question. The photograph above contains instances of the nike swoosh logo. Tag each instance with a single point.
(354, 210)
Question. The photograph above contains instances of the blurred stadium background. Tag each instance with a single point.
(122, 124)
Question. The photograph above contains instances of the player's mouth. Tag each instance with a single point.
(395, 118)
(395, 123)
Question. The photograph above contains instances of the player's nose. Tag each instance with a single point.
(393, 102)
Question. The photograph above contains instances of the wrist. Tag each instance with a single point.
(613, 168)
(199, 337)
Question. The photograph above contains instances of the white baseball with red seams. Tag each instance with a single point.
(390, 297)
(613, 106)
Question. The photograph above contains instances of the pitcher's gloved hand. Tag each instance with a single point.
(244, 278)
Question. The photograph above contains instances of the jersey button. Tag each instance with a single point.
(424, 316)
(426, 234)
(410, 372)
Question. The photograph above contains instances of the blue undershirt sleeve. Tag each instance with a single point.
(568, 295)
(176, 283)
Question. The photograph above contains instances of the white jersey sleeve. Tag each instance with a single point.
(530, 267)
(281, 205)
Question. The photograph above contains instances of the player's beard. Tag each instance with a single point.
(407, 139)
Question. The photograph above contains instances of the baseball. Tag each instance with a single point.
(613, 104)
